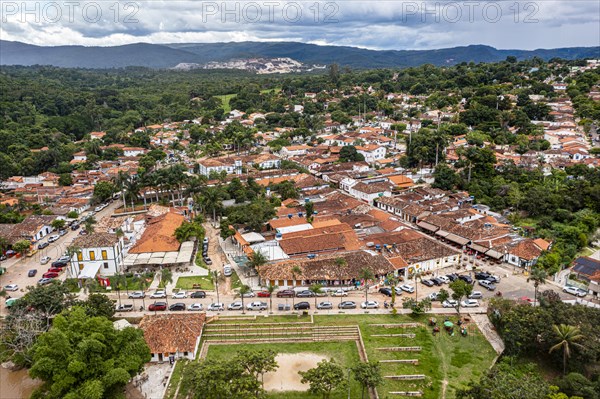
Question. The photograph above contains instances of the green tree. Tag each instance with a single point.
(324, 379)
(443, 295)
(257, 260)
(58, 224)
(366, 274)
(257, 363)
(72, 215)
(65, 179)
(315, 289)
(187, 230)
(445, 177)
(22, 247)
(103, 191)
(296, 271)
(368, 375)
(166, 277)
(538, 276)
(349, 154)
(460, 289)
(218, 379)
(309, 209)
(98, 305)
(566, 338)
(271, 289)
(242, 292)
(86, 357)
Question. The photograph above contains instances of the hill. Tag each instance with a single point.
(169, 55)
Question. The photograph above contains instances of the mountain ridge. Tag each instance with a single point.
(159, 56)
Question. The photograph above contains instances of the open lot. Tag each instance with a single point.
(437, 365)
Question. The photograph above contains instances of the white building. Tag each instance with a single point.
(371, 152)
(98, 254)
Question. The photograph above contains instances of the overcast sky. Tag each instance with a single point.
(369, 24)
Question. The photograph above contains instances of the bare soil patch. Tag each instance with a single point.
(286, 377)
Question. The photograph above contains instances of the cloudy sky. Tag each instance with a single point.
(380, 24)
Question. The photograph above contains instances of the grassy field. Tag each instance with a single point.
(235, 281)
(447, 362)
(225, 98)
(187, 283)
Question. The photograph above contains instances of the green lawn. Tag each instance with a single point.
(453, 359)
(236, 283)
(187, 283)
(225, 98)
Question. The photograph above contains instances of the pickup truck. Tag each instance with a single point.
(257, 306)
(125, 308)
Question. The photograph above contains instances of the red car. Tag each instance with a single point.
(54, 270)
(264, 294)
(158, 306)
(50, 275)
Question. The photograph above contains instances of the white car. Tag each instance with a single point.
(339, 293)
(445, 279)
(195, 306)
(45, 260)
(407, 288)
(234, 306)
(450, 303)
(575, 291)
(433, 296)
(216, 307)
(470, 303)
(159, 294)
(227, 271)
(11, 287)
(257, 306)
(137, 295)
(370, 305)
(250, 294)
(53, 238)
(179, 295)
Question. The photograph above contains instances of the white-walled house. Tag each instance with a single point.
(175, 336)
(229, 165)
(133, 151)
(98, 254)
(294, 150)
(372, 152)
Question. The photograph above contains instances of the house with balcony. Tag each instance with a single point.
(97, 254)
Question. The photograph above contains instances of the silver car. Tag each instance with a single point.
(325, 305)
(234, 306)
(216, 307)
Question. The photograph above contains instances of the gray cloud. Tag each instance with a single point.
(371, 24)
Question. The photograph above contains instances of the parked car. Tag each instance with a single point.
(487, 284)
(179, 295)
(32, 273)
(216, 307)
(437, 281)
(124, 308)
(250, 294)
(466, 279)
(452, 276)
(227, 270)
(64, 259)
(494, 279)
(370, 305)
(50, 275)
(55, 270)
(305, 294)
(427, 282)
(338, 292)
(385, 291)
(208, 261)
(347, 305)
(444, 279)
(469, 303)
(53, 238)
(45, 260)
(235, 306)
(137, 295)
(75, 226)
(574, 291)
(205, 241)
(407, 288)
(302, 306)
(198, 294)
(195, 307)
(59, 263)
(433, 296)
(11, 287)
(44, 281)
(62, 232)
(449, 303)
(158, 306)
(482, 275)
(475, 295)
(325, 305)
(159, 294)
(176, 307)
(43, 245)
(257, 306)
(263, 294)
(285, 294)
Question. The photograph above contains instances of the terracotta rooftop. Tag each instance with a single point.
(170, 333)
(95, 240)
(159, 235)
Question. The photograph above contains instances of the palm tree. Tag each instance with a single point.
(244, 289)
(132, 192)
(538, 276)
(119, 279)
(366, 274)
(210, 200)
(315, 289)
(166, 277)
(567, 337)
(257, 259)
(216, 278)
(88, 224)
(271, 289)
(295, 272)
